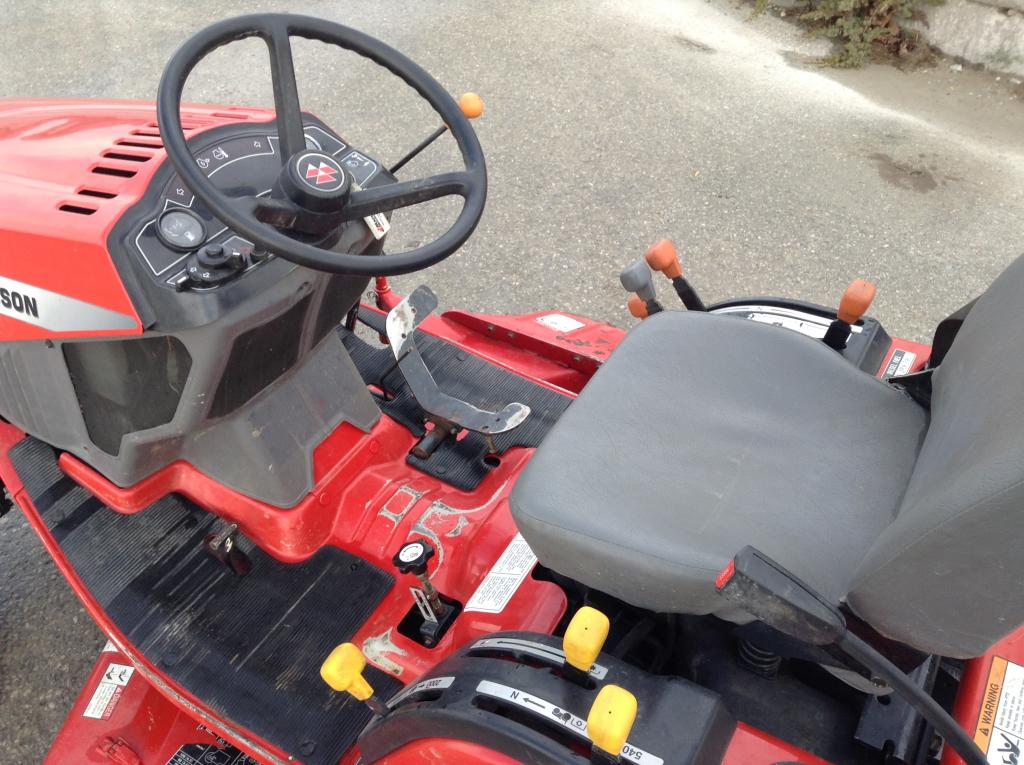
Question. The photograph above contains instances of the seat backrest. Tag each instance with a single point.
(948, 573)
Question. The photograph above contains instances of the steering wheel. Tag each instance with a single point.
(316, 187)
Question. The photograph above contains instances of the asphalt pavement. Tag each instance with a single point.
(608, 125)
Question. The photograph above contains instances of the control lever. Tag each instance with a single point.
(637, 307)
(637, 278)
(663, 256)
(584, 638)
(852, 306)
(609, 724)
(763, 588)
(447, 413)
(343, 671)
(223, 545)
(471, 105)
(437, 615)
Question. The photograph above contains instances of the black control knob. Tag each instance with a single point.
(213, 264)
(212, 256)
(413, 557)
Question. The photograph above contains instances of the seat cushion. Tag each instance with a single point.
(705, 433)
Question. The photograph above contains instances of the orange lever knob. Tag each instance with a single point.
(856, 300)
(637, 307)
(472, 105)
(662, 256)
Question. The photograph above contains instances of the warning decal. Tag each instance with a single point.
(1000, 730)
(560, 322)
(900, 363)
(210, 754)
(501, 583)
(108, 692)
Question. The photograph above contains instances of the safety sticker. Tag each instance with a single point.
(433, 684)
(108, 692)
(900, 363)
(210, 754)
(1000, 731)
(378, 224)
(109, 647)
(504, 578)
(559, 716)
(560, 322)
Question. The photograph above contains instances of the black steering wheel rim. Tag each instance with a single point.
(240, 213)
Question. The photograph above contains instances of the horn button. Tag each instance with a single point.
(316, 182)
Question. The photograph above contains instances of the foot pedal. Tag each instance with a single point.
(448, 413)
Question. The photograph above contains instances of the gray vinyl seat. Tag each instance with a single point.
(705, 433)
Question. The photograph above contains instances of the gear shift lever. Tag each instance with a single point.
(855, 302)
(636, 277)
(637, 307)
(663, 256)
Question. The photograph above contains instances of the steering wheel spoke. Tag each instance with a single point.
(279, 213)
(393, 196)
(286, 91)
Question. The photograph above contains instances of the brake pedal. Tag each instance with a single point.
(449, 414)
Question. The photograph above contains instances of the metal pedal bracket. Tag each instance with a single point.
(401, 326)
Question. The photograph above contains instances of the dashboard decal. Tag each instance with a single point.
(56, 312)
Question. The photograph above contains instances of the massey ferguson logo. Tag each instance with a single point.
(18, 302)
(321, 174)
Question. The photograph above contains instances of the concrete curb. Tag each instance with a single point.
(979, 32)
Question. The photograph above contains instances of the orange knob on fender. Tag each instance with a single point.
(856, 300)
(662, 256)
(472, 105)
(637, 307)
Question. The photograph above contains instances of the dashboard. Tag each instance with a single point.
(182, 246)
(184, 268)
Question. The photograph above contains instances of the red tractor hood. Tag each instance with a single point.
(68, 171)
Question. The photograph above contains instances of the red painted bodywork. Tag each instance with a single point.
(369, 501)
(975, 685)
(48, 153)
(144, 727)
(366, 500)
(923, 352)
(750, 746)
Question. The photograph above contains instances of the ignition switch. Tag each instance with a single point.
(214, 264)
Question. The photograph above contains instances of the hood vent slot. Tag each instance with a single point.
(127, 157)
(140, 144)
(96, 193)
(77, 209)
(115, 171)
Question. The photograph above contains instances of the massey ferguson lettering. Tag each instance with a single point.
(17, 302)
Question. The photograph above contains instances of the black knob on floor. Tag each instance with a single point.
(413, 557)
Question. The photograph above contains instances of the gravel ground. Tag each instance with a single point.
(608, 125)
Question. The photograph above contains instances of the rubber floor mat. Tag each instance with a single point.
(248, 647)
(464, 463)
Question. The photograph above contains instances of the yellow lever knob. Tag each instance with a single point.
(343, 671)
(584, 638)
(472, 105)
(611, 719)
